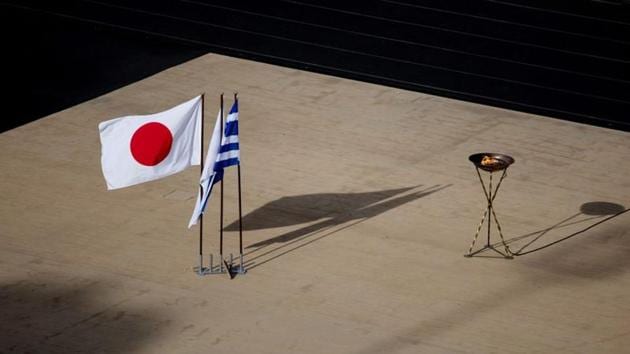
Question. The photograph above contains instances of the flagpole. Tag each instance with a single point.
(201, 191)
(222, 179)
(240, 209)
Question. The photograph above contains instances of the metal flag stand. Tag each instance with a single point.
(201, 270)
(490, 162)
(232, 269)
(239, 268)
(223, 265)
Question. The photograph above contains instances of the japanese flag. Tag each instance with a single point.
(137, 149)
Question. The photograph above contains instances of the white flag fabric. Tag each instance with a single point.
(213, 152)
(137, 149)
(208, 174)
(220, 156)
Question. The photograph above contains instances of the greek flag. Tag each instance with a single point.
(229, 153)
(220, 156)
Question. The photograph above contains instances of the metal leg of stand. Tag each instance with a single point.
(490, 194)
(508, 252)
(483, 218)
(200, 271)
(240, 268)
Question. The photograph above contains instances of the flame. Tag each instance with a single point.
(489, 161)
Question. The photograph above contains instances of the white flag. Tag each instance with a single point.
(223, 152)
(137, 149)
(208, 174)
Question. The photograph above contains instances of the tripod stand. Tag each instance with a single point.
(490, 162)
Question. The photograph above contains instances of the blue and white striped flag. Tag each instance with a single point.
(219, 156)
(229, 153)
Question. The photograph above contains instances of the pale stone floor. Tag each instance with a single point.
(359, 205)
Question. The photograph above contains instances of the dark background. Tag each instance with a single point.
(565, 59)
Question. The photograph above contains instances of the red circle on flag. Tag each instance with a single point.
(151, 143)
